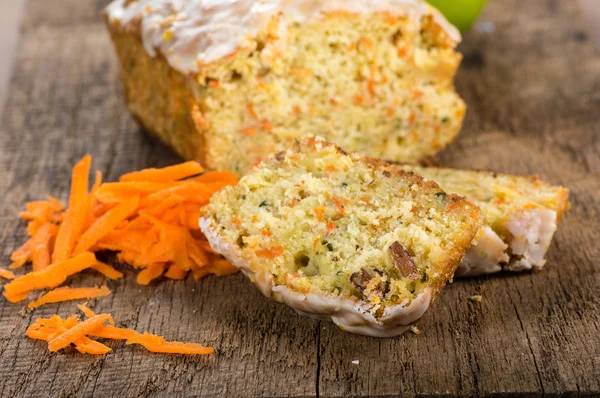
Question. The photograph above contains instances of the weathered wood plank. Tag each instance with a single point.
(533, 89)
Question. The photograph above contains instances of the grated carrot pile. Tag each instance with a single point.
(61, 333)
(149, 219)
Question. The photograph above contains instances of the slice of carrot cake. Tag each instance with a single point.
(521, 214)
(342, 236)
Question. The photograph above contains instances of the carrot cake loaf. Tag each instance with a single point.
(230, 82)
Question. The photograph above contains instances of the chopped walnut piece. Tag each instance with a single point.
(403, 261)
(361, 279)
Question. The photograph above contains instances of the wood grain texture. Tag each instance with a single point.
(533, 89)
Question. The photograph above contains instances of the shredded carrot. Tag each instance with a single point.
(219, 177)
(270, 252)
(61, 333)
(251, 111)
(40, 213)
(319, 211)
(176, 272)
(166, 174)
(149, 218)
(339, 205)
(217, 267)
(48, 277)
(20, 256)
(106, 223)
(39, 332)
(69, 231)
(79, 181)
(85, 309)
(76, 332)
(107, 270)
(85, 345)
(266, 125)
(147, 275)
(371, 86)
(6, 274)
(330, 227)
(154, 343)
(365, 42)
(249, 131)
(69, 293)
(113, 333)
(40, 246)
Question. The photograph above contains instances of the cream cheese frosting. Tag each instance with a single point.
(348, 314)
(190, 33)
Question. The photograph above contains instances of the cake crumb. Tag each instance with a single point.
(415, 330)
(476, 298)
(356, 362)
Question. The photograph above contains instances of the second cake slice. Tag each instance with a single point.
(342, 236)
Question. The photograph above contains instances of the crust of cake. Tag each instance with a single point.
(159, 97)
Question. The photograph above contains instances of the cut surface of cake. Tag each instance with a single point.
(521, 214)
(230, 82)
(342, 236)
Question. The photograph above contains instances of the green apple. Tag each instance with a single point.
(460, 13)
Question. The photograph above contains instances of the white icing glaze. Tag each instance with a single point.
(531, 233)
(485, 256)
(349, 315)
(192, 32)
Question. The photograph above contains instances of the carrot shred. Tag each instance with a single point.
(40, 246)
(105, 224)
(69, 231)
(79, 181)
(147, 275)
(61, 333)
(40, 213)
(39, 332)
(85, 345)
(155, 343)
(69, 293)
(76, 332)
(48, 277)
(107, 270)
(20, 256)
(86, 311)
(6, 274)
(220, 177)
(217, 267)
(97, 182)
(113, 333)
(166, 174)
(176, 272)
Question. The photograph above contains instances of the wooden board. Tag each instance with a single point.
(533, 89)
